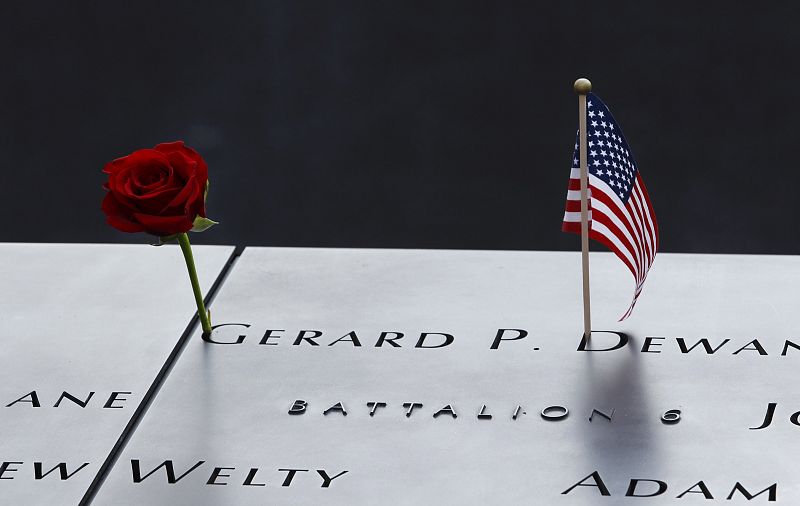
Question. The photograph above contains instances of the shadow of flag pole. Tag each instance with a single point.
(582, 88)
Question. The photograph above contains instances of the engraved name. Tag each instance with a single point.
(32, 399)
(593, 486)
(234, 334)
(232, 475)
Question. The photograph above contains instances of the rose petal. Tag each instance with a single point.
(201, 173)
(150, 202)
(163, 225)
(111, 205)
(114, 165)
(200, 170)
(196, 204)
(118, 216)
(168, 147)
(151, 178)
(138, 162)
(128, 189)
(180, 199)
(122, 170)
(123, 225)
(117, 179)
(156, 202)
(184, 166)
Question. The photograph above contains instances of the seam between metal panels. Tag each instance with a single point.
(163, 373)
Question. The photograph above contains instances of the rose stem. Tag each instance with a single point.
(183, 240)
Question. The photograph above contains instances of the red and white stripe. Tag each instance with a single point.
(629, 230)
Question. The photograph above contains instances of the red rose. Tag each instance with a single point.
(160, 191)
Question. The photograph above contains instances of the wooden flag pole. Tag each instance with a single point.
(582, 88)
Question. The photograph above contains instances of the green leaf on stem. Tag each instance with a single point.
(200, 224)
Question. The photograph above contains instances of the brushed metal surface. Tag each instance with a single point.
(82, 318)
(226, 405)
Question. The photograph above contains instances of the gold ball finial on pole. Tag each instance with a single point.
(583, 86)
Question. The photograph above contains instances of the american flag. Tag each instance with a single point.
(620, 213)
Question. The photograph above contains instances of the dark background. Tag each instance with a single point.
(403, 124)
